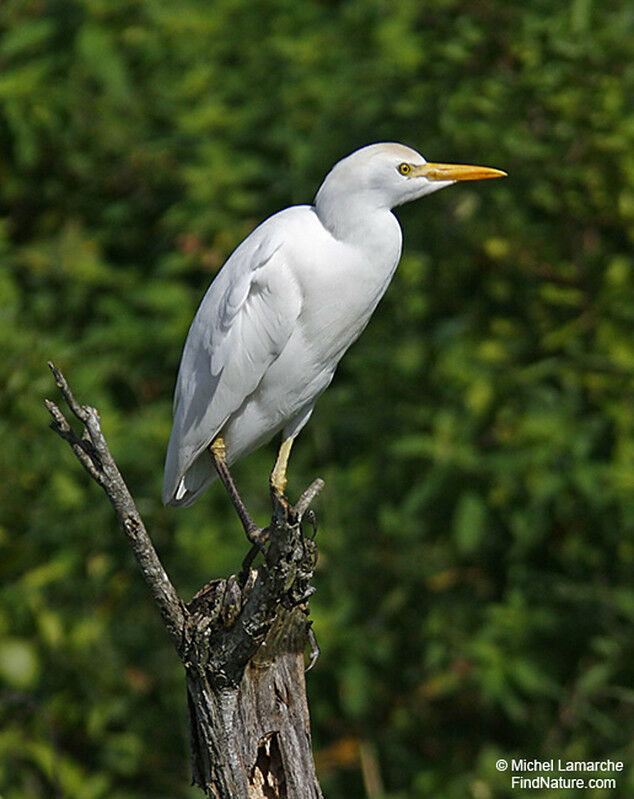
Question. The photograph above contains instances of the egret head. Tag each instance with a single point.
(388, 174)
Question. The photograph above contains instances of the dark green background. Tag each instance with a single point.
(475, 584)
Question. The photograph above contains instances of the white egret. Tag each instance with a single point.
(280, 314)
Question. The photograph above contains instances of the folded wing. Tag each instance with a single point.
(242, 325)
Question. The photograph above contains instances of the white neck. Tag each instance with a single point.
(352, 218)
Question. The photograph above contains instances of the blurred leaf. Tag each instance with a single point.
(19, 663)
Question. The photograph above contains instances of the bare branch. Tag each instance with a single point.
(307, 497)
(94, 455)
(60, 382)
(81, 446)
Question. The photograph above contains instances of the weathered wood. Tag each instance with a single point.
(252, 741)
(243, 654)
(241, 640)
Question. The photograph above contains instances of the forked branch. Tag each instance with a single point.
(94, 455)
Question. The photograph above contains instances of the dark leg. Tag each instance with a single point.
(218, 455)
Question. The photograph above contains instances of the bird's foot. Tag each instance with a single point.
(302, 550)
(281, 505)
(258, 536)
(285, 513)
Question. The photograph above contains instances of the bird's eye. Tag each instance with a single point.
(404, 169)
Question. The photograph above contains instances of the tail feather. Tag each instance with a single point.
(193, 483)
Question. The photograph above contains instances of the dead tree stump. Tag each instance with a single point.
(241, 640)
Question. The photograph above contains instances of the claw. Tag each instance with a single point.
(258, 536)
(261, 537)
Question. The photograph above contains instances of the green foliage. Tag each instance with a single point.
(475, 589)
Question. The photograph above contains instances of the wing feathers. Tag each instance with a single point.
(243, 323)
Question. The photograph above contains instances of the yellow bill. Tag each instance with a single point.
(433, 171)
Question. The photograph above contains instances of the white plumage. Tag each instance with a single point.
(273, 325)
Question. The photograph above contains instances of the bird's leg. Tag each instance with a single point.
(219, 456)
(278, 480)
